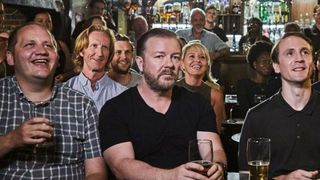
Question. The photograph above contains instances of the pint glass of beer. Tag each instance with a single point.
(258, 155)
(201, 152)
(45, 110)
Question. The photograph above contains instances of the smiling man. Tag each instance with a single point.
(93, 51)
(290, 118)
(32, 51)
(120, 66)
(216, 47)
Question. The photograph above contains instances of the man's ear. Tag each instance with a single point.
(10, 59)
(81, 54)
(276, 67)
(140, 62)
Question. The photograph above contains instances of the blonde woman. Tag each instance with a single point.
(195, 63)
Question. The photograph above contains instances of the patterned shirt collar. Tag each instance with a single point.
(19, 91)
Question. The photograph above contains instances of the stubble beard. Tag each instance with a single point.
(118, 70)
(155, 84)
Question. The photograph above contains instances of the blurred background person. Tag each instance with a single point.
(65, 69)
(211, 25)
(316, 75)
(139, 26)
(195, 63)
(262, 83)
(254, 33)
(95, 8)
(5, 69)
(313, 33)
(291, 27)
(120, 65)
(95, 20)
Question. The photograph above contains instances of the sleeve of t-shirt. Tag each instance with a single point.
(112, 127)
(207, 120)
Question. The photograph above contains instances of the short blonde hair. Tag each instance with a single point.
(197, 44)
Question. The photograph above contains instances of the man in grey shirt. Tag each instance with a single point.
(216, 47)
(119, 68)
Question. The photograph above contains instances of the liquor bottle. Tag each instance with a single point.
(284, 12)
(234, 43)
(186, 12)
(265, 14)
(199, 4)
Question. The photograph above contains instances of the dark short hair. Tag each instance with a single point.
(256, 50)
(122, 37)
(155, 32)
(257, 20)
(275, 49)
(13, 38)
(291, 27)
(210, 7)
(92, 2)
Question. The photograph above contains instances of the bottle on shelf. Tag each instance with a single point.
(177, 10)
(234, 45)
(185, 12)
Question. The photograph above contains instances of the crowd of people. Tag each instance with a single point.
(117, 106)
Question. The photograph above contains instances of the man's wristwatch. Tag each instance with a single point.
(224, 168)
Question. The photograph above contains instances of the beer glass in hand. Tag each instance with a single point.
(45, 110)
(201, 152)
(258, 156)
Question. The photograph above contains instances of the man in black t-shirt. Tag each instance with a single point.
(210, 25)
(145, 130)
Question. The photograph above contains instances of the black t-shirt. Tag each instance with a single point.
(294, 134)
(219, 32)
(160, 140)
(250, 93)
(316, 86)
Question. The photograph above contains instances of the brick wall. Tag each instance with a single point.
(13, 17)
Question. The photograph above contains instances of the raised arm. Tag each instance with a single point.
(33, 131)
(120, 158)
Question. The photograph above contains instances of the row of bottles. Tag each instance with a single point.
(174, 13)
(269, 12)
(224, 6)
(273, 32)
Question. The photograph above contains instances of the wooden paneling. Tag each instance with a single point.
(302, 7)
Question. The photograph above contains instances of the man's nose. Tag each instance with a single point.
(40, 49)
(99, 51)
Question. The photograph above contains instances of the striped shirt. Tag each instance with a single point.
(75, 134)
